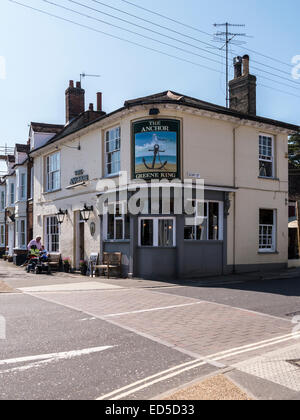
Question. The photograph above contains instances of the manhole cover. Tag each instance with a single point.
(294, 362)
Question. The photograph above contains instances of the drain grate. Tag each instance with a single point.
(294, 362)
(293, 314)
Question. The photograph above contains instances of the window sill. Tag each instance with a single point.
(268, 253)
(116, 175)
(269, 178)
(203, 242)
(51, 192)
(156, 247)
(114, 241)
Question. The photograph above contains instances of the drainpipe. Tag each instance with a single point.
(234, 204)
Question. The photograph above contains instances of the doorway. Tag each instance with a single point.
(81, 240)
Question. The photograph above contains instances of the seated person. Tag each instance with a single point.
(44, 254)
(34, 252)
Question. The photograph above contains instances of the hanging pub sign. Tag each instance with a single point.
(156, 149)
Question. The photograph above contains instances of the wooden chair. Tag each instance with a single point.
(54, 261)
(111, 261)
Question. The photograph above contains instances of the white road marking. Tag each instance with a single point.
(193, 365)
(151, 310)
(49, 358)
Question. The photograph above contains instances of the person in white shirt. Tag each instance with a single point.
(37, 242)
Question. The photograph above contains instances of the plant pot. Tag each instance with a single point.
(83, 270)
(66, 268)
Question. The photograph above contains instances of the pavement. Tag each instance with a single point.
(73, 337)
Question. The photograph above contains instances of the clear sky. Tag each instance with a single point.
(42, 54)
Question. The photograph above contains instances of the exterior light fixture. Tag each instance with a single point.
(61, 215)
(154, 111)
(86, 213)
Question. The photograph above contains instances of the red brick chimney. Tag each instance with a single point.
(74, 101)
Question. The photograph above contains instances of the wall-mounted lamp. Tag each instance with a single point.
(86, 213)
(154, 111)
(61, 215)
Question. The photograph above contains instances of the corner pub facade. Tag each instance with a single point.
(242, 158)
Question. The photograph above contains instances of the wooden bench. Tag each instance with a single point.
(111, 261)
(54, 261)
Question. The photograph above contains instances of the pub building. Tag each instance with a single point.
(242, 158)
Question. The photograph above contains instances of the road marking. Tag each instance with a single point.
(190, 365)
(152, 310)
(49, 358)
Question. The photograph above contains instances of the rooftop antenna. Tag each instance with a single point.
(227, 38)
(84, 75)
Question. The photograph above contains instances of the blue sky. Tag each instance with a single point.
(147, 141)
(43, 54)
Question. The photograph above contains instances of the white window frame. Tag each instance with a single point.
(31, 182)
(2, 235)
(49, 243)
(155, 231)
(273, 236)
(107, 140)
(221, 221)
(265, 158)
(12, 193)
(49, 173)
(22, 187)
(20, 233)
(2, 198)
(122, 217)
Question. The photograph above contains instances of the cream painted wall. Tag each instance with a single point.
(207, 148)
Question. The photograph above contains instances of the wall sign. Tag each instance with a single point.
(79, 177)
(156, 149)
(93, 228)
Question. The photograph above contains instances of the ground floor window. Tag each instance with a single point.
(2, 235)
(52, 234)
(267, 230)
(157, 232)
(117, 223)
(211, 228)
(20, 233)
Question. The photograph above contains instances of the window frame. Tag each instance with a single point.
(2, 235)
(2, 200)
(112, 152)
(21, 233)
(48, 236)
(49, 183)
(262, 158)
(156, 231)
(220, 222)
(274, 233)
(22, 187)
(122, 217)
(12, 194)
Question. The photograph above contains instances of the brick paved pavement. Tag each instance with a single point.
(201, 328)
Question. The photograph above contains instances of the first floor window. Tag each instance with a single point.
(266, 156)
(12, 194)
(212, 221)
(52, 234)
(2, 235)
(2, 200)
(113, 151)
(53, 172)
(267, 230)
(22, 190)
(118, 223)
(157, 232)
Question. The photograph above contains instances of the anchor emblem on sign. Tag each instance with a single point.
(156, 155)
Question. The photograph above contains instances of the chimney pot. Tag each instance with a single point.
(99, 101)
(78, 85)
(91, 107)
(246, 65)
(71, 84)
(237, 62)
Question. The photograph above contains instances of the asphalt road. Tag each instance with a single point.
(109, 355)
